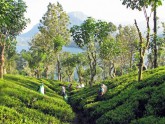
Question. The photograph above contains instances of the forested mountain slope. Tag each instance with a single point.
(126, 101)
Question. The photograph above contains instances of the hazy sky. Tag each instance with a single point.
(108, 10)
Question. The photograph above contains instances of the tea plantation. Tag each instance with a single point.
(126, 101)
(21, 103)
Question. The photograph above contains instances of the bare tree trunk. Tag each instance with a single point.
(38, 75)
(92, 63)
(46, 72)
(58, 68)
(155, 39)
(2, 59)
(104, 72)
(113, 70)
(142, 49)
(122, 65)
(69, 77)
(91, 80)
(140, 52)
(131, 60)
(110, 68)
(79, 74)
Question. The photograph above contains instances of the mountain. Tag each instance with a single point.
(76, 18)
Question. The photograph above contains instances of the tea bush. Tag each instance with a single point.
(126, 101)
(22, 103)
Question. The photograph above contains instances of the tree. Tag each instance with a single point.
(127, 39)
(142, 48)
(109, 51)
(81, 62)
(10, 57)
(69, 64)
(139, 4)
(12, 22)
(88, 36)
(54, 29)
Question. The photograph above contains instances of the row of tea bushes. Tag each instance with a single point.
(21, 102)
(127, 101)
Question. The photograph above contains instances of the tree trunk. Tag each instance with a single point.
(92, 63)
(79, 74)
(131, 59)
(140, 66)
(69, 77)
(92, 73)
(38, 75)
(46, 72)
(110, 68)
(2, 59)
(113, 70)
(104, 72)
(91, 80)
(141, 48)
(58, 69)
(9, 67)
(155, 40)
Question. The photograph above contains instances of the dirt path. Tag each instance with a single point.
(79, 119)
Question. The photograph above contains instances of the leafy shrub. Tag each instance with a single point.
(8, 116)
(149, 120)
(126, 101)
(23, 103)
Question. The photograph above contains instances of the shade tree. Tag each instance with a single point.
(89, 36)
(12, 22)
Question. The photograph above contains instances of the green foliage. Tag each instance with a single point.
(148, 120)
(141, 3)
(8, 115)
(22, 103)
(12, 20)
(126, 101)
(46, 45)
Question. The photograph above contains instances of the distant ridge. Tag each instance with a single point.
(31, 32)
(76, 18)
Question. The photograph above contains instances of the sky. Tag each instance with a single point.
(107, 10)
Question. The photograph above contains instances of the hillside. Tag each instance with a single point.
(126, 101)
(21, 103)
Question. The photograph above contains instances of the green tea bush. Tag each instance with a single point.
(126, 101)
(22, 103)
(149, 120)
(8, 116)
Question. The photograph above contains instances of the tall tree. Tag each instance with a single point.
(127, 39)
(54, 30)
(142, 48)
(88, 36)
(10, 57)
(109, 51)
(139, 4)
(80, 61)
(12, 22)
(69, 63)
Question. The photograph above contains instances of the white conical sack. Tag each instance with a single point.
(105, 89)
(41, 90)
